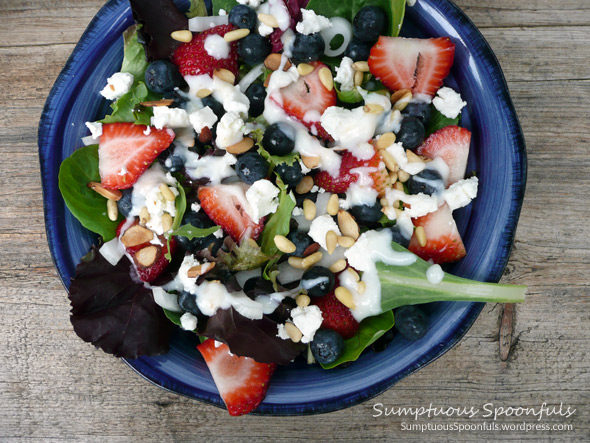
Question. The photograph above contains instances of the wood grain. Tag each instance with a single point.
(55, 387)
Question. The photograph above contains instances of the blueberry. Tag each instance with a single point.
(291, 175)
(125, 204)
(411, 322)
(358, 50)
(215, 106)
(419, 110)
(173, 163)
(307, 48)
(162, 77)
(188, 302)
(428, 182)
(251, 167)
(256, 93)
(411, 134)
(253, 49)
(382, 342)
(326, 346)
(301, 240)
(243, 16)
(198, 220)
(318, 281)
(399, 237)
(279, 139)
(369, 23)
(366, 214)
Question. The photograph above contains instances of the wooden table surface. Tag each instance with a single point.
(54, 386)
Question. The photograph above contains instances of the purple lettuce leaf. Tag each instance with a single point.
(114, 312)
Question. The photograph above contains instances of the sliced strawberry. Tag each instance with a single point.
(193, 59)
(307, 99)
(241, 381)
(125, 152)
(450, 143)
(226, 206)
(336, 316)
(347, 175)
(412, 63)
(443, 241)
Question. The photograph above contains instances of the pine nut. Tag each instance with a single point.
(420, 235)
(388, 159)
(338, 266)
(293, 332)
(302, 300)
(393, 176)
(285, 245)
(273, 62)
(167, 193)
(112, 210)
(309, 209)
(326, 78)
(346, 241)
(311, 260)
(225, 74)
(361, 66)
(198, 270)
(361, 287)
(331, 241)
(401, 103)
(167, 222)
(398, 185)
(304, 69)
(268, 20)
(144, 216)
(344, 296)
(403, 176)
(348, 225)
(110, 194)
(358, 78)
(373, 108)
(333, 205)
(397, 95)
(182, 36)
(202, 93)
(310, 162)
(385, 141)
(240, 147)
(412, 157)
(305, 185)
(147, 256)
(296, 262)
(156, 103)
(354, 274)
(236, 34)
(136, 235)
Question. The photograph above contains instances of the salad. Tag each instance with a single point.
(279, 178)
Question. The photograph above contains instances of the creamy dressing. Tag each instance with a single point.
(435, 274)
(216, 46)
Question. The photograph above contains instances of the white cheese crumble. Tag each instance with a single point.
(169, 117)
(263, 198)
(95, 129)
(203, 118)
(420, 204)
(264, 30)
(216, 46)
(399, 154)
(349, 127)
(345, 74)
(448, 102)
(312, 23)
(252, 3)
(222, 12)
(229, 130)
(320, 226)
(308, 320)
(461, 193)
(118, 85)
(188, 321)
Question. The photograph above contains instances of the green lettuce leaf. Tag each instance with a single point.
(438, 121)
(190, 232)
(180, 207)
(278, 223)
(246, 256)
(227, 5)
(197, 9)
(134, 60)
(349, 96)
(128, 109)
(86, 205)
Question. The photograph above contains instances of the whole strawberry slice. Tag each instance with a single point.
(227, 206)
(450, 143)
(307, 99)
(347, 176)
(193, 59)
(443, 241)
(241, 381)
(412, 63)
(125, 152)
(336, 316)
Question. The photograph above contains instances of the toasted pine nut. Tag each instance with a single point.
(403, 101)
(167, 193)
(413, 157)
(304, 69)
(397, 95)
(333, 205)
(305, 185)
(403, 176)
(268, 20)
(373, 108)
(112, 210)
(388, 159)
(346, 241)
(284, 244)
(312, 259)
(240, 147)
(296, 262)
(225, 74)
(144, 216)
(110, 194)
(361, 66)
(309, 209)
(273, 62)
(184, 36)
(302, 300)
(331, 241)
(198, 270)
(338, 266)
(147, 256)
(384, 202)
(326, 78)
(236, 34)
(310, 162)
(348, 226)
(156, 103)
(293, 332)
(167, 222)
(202, 93)
(358, 78)
(398, 185)
(344, 296)
(361, 287)
(393, 176)
(136, 235)
(385, 141)
(355, 274)
(420, 235)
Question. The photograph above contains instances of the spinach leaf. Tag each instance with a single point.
(349, 96)
(86, 205)
(227, 5)
(278, 223)
(370, 329)
(438, 121)
(197, 9)
(246, 256)
(190, 232)
(174, 317)
(128, 109)
(180, 207)
(134, 61)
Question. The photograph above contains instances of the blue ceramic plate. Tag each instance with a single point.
(487, 226)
